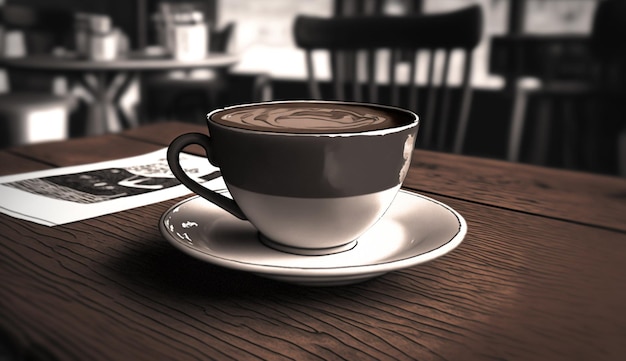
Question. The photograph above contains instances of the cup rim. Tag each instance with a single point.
(414, 123)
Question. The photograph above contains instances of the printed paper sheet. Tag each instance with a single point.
(63, 195)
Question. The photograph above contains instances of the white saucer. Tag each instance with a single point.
(414, 230)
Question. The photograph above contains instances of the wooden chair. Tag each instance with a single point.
(354, 42)
(30, 105)
(592, 103)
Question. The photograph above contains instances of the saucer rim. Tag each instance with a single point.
(330, 272)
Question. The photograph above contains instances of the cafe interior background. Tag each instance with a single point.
(271, 67)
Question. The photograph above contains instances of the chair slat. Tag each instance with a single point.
(314, 88)
(393, 86)
(466, 101)
(371, 76)
(431, 100)
(413, 86)
(338, 60)
(444, 107)
(356, 83)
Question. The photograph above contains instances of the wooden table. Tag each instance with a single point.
(541, 275)
(107, 81)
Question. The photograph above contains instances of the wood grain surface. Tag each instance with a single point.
(530, 281)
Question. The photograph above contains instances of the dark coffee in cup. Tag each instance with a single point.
(310, 118)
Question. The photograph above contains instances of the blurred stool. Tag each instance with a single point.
(33, 117)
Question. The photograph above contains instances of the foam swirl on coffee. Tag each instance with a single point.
(308, 118)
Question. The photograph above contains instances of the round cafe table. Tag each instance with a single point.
(107, 81)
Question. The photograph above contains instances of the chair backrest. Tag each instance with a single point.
(353, 43)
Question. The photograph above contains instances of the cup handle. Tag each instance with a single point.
(173, 152)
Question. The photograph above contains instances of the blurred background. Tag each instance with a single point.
(525, 46)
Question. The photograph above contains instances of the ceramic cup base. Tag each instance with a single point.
(306, 251)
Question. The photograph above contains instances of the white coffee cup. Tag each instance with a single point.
(311, 176)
